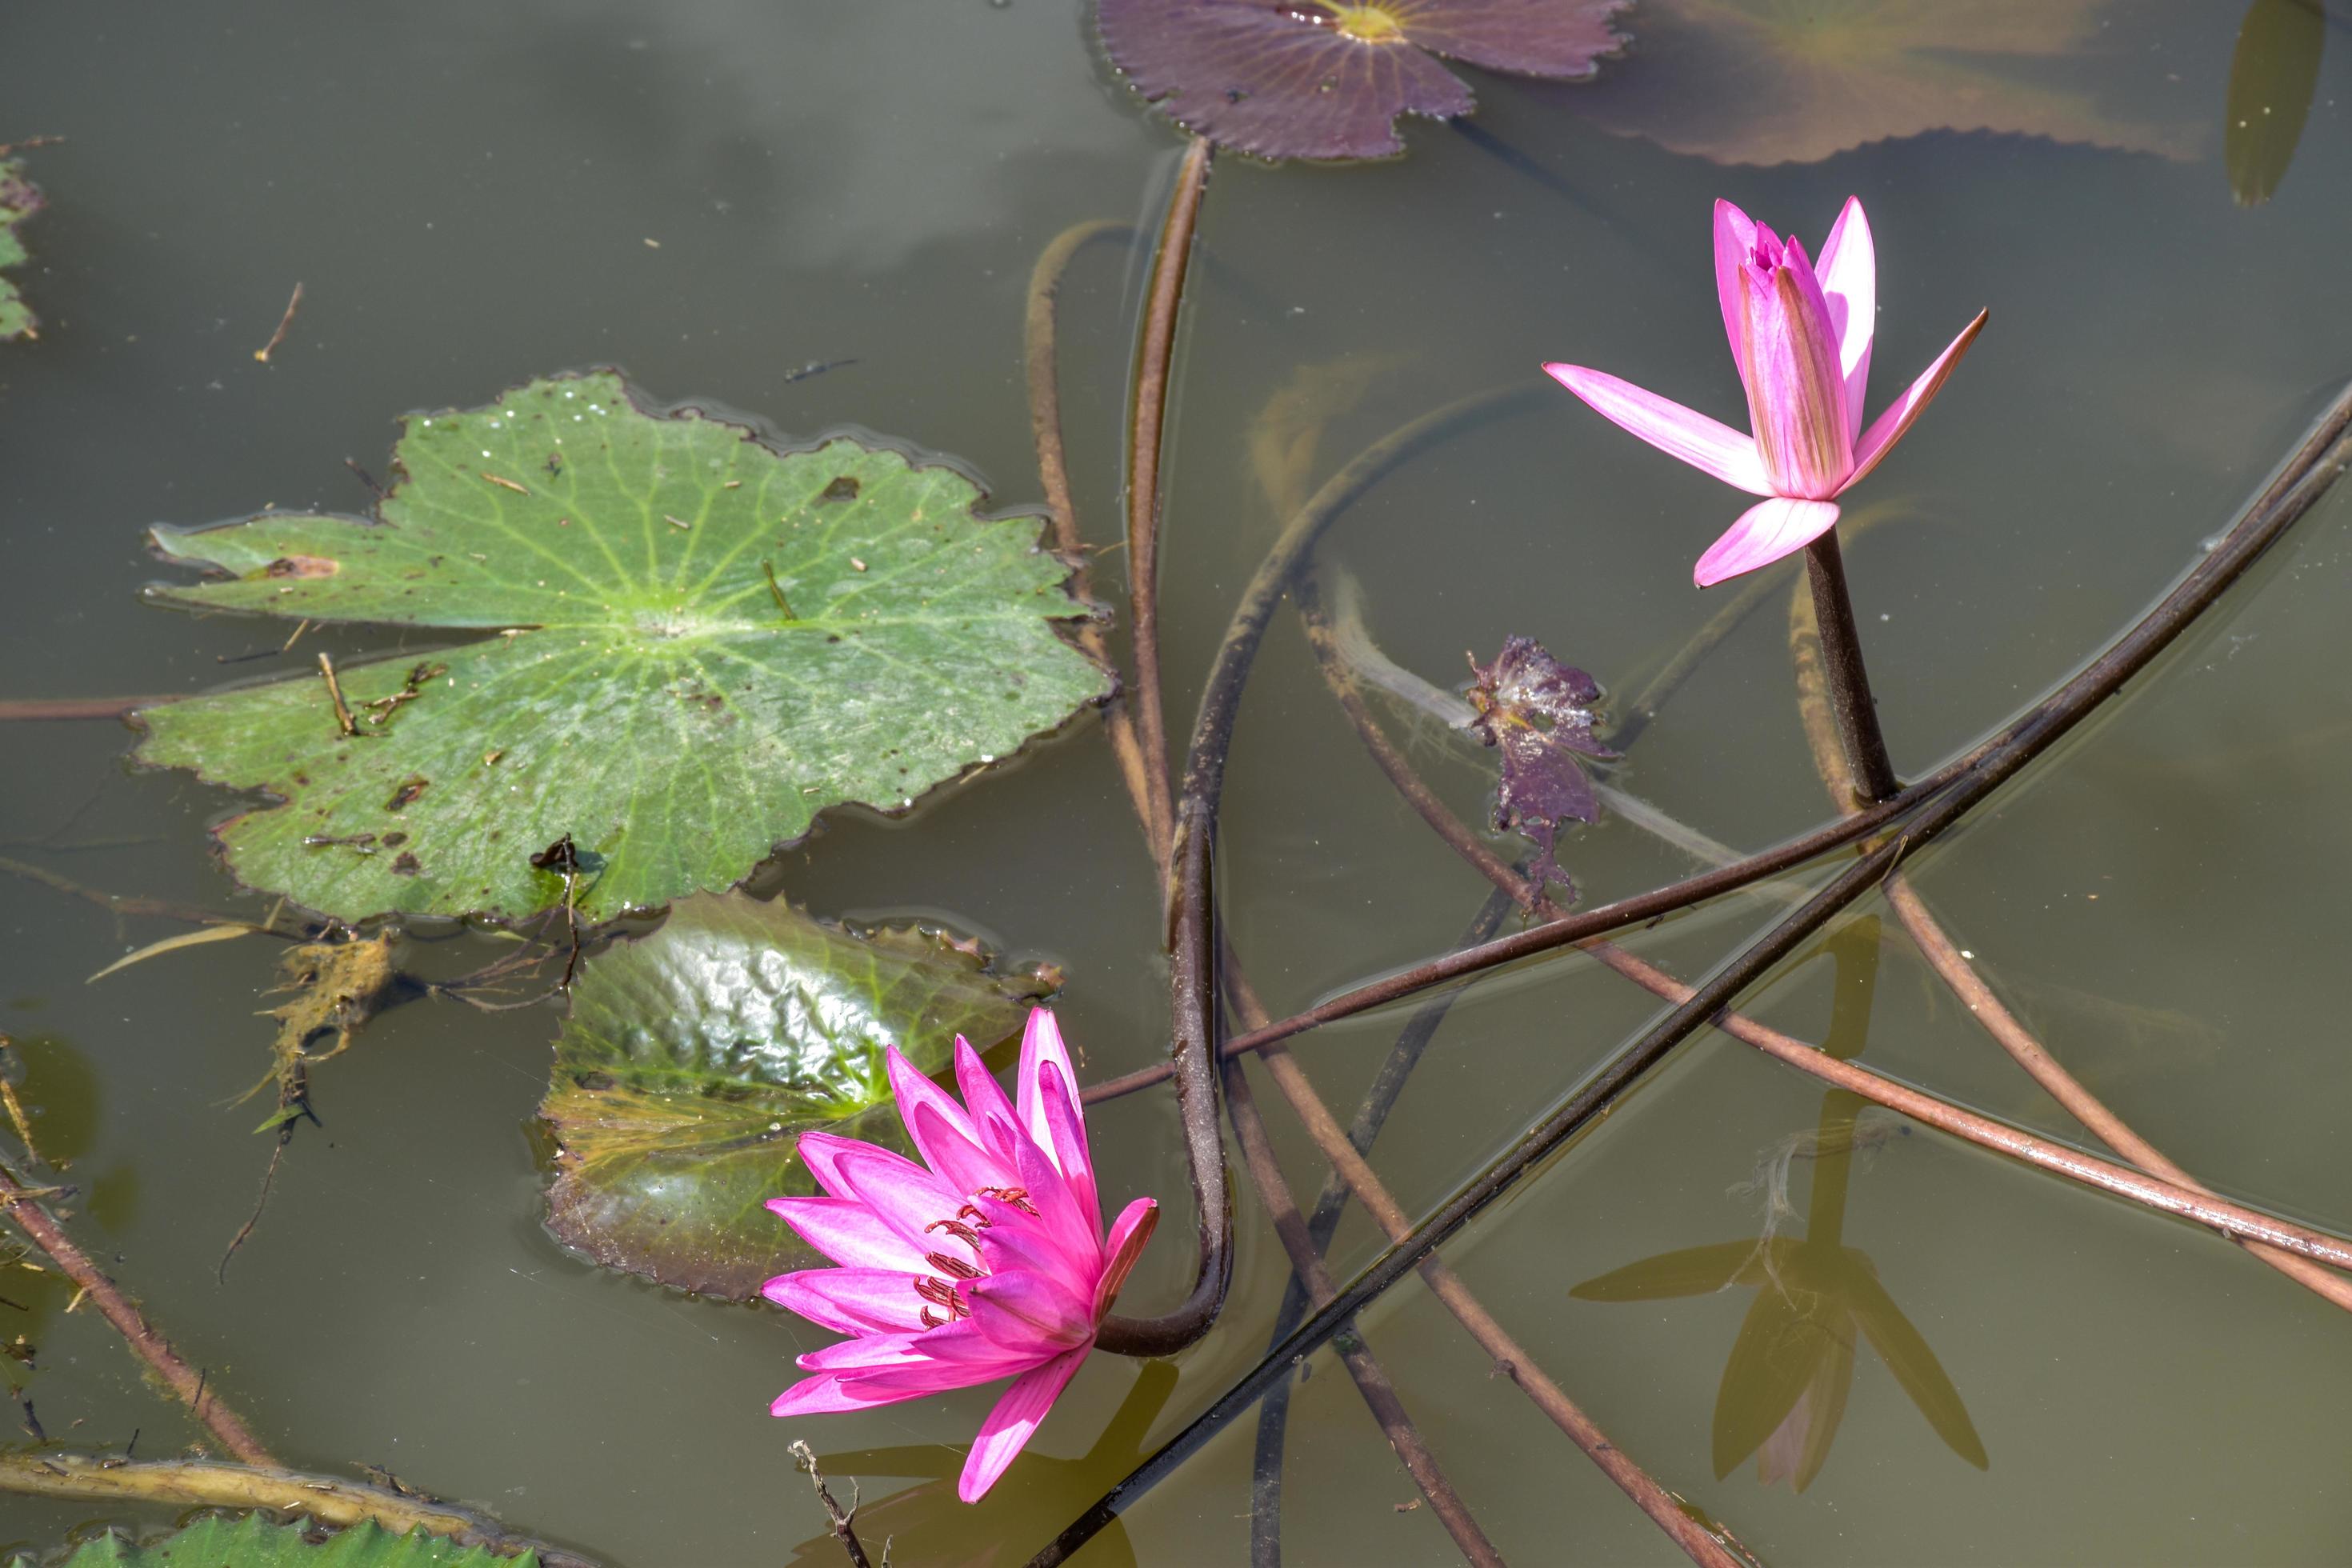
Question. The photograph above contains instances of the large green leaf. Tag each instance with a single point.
(695, 1056)
(704, 643)
(19, 199)
(254, 1542)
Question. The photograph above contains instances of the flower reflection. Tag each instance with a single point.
(1785, 1385)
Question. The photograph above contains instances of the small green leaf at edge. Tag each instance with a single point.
(252, 1542)
(653, 694)
(694, 1056)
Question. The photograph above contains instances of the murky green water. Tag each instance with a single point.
(714, 195)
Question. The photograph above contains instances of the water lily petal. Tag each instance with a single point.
(1796, 396)
(992, 1116)
(1735, 241)
(942, 1132)
(1708, 445)
(850, 1301)
(1889, 427)
(828, 1393)
(1009, 1426)
(1129, 1232)
(1058, 1217)
(818, 1151)
(1049, 1109)
(906, 1197)
(1765, 533)
(1029, 1312)
(849, 1233)
(1849, 277)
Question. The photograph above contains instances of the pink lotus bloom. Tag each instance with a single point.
(991, 1262)
(1800, 337)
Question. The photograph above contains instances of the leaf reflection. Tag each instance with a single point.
(927, 1524)
(1791, 1367)
(2272, 77)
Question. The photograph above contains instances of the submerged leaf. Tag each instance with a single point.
(695, 1057)
(704, 642)
(19, 199)
(1762, 81)
(2272, 77)
(1295, 79)
(253, 1542)
(202, 935)
(1539, 714)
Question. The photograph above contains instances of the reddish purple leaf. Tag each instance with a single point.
(1540, 713)
(1292, 78)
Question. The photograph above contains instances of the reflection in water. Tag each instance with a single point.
(927, 1524)
(1785, 1386)
(2271, 76)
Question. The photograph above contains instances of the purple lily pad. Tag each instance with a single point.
(1292, 78)
(1539, 714)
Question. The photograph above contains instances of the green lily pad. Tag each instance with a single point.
(693, 1058)
(253, 1542)
(19, 199)
(703, 643)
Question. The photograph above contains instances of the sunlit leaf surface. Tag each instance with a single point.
(19, 199)
(1775, 82)
(694, 1056)
(1291, 79)
(702, 643)
(253, 1542)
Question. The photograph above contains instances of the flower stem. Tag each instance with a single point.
(1857, 716)
(1155, 357)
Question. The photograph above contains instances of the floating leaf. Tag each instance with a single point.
(253, 1542)
(704, 642)
(19, 199)
(2272, 77)
(1760, 81)
(695, 1056)
(1307, 80)
(1539, 714)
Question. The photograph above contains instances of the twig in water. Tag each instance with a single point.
(335, 691)
(844, 1524)
(329, 1499)
(261, 1200)
(40, 708)
(15, 1109)
(25, 1211)
(1823, 721)
(1371, 1380)
(284, 322)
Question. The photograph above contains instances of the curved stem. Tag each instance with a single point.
(200, 1483)
(1039, 338)
(1192, 948)
(1155, 358)
(192, 1387)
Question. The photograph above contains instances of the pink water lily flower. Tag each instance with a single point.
(1800, 337)
(992, 1262)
